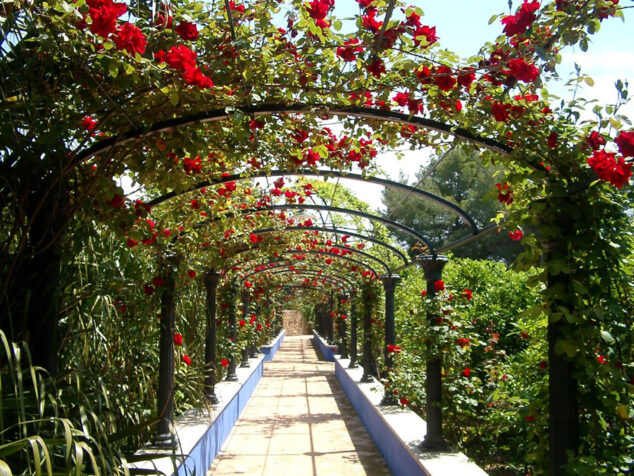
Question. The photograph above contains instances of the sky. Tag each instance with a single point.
(462, 27)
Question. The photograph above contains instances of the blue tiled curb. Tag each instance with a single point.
(395, 452)
(327, 350)
(271, 349)
(208, 446)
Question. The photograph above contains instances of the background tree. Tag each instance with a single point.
(461, 178)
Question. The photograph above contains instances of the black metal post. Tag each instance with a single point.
(353, 336)
(164, 437)
(434, 441)
(562, 391)
(330, 321)
(212, 278)
(343, 324)
(231, 369)
(367, 338)
(389, 285)
(245, 309)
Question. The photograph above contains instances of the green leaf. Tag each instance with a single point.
(606, 336)
(174, 98)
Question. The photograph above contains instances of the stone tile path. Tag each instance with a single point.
(299, 422)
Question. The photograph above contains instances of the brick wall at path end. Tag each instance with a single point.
(295, 323)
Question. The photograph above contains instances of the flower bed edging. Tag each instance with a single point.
(396, 431)
(201, 433)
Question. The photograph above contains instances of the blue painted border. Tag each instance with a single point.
(328, 351)
(203, 453)
(270, 350)
(397, 455)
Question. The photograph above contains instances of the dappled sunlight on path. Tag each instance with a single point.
(299, 422)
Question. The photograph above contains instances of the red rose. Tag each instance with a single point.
(89, 123)
(186, 359)
(500, 111)
(529, 418)
(610, 168)
(505, 194)
(191, 273)
(467, 294)
(179, 57)
(242, 323)
(376, 68)
(404, 401)
(158, 281)
(543, 364)
(349, 50)
(444, 79)
(602, 359)
(130, 38)
(439, 285)
(595, 140)
(466, 372)
(423, 293)
(187, 31)
(522, 20)
(516, 235)
(224, 362)
(429, 33)
(551, 140)
(523, 71)
(178, 339)
(148, 290)
(625, 141)
(104, 14)
(117, 201)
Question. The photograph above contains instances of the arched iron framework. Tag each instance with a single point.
(337, 231)
(345, 211)
(315, 270)
(343, 248)
(335, 173)
(325, 253)
(215, 115)
(326, 280)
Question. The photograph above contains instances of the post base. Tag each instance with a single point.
(213, 399)
(353, 365)
(365, 378)
(165, 441)
(389, 399)
(433, 443)
(231, 377)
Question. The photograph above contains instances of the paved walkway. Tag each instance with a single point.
(299, 422)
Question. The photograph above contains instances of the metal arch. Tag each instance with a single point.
(335, 231)
(285, 263)
(287, 288)
(315, 269)
(332, 280)
(350, 250)
(336, 173)
(352, 260)
(348, 211)
(215, 115)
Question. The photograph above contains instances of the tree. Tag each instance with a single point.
(461, 178)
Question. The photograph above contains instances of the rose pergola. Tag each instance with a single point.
(198, 103)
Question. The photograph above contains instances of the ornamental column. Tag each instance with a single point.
(389, 285)
(231, 369)
(367, 337)
(353, 336)
(212, 278)
(245, 310)
(434, 441)
(342, 331)
(164, 437)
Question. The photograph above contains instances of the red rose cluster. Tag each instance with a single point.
(104, 15)
(318, 9)
(522, 20)
(183, 59)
